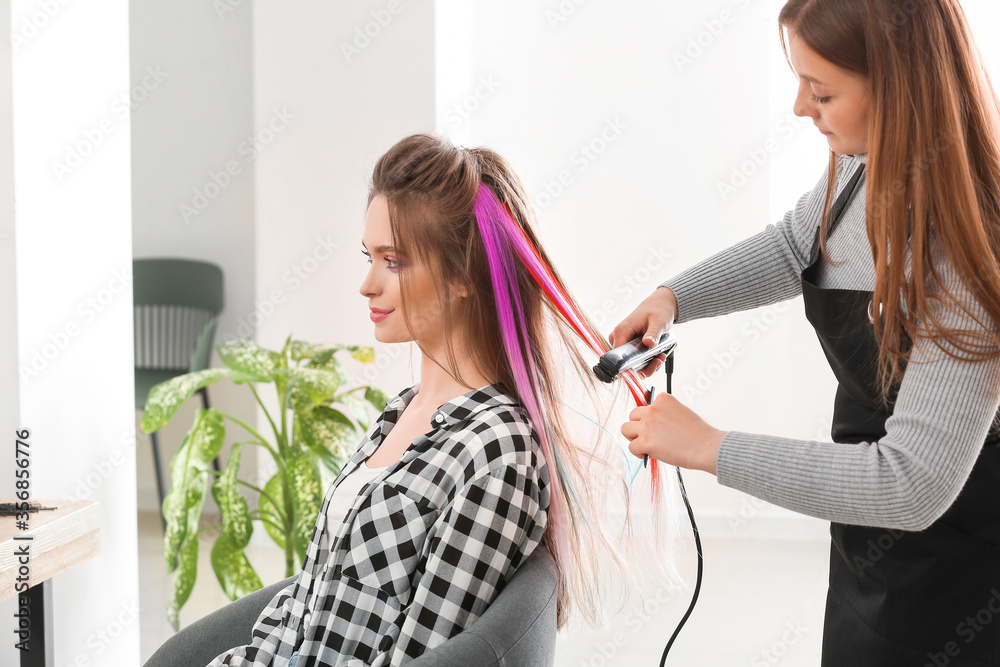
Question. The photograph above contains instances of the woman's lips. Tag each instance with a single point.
(377, 316)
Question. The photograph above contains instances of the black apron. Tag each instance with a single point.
(896, 597)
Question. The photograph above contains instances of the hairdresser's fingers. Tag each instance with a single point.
(650, 320)
(661, 314)
(661, 310)
(653, 365)
(628, 329)
(630, 429)
(671, 432)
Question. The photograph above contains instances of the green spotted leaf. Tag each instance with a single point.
(183, 583)
(234, 572)
(362, 353)
(357, 406)
(245, 356)
(307, 497)
(329, 435)
(377, 398)
(165, 398)
(321, 353)
(274, 490)
(302, 350)
(309, 387)
(233, 506)
(183, 503)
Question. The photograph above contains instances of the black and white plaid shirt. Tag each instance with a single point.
(424, 549)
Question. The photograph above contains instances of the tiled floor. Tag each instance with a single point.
(761, 605)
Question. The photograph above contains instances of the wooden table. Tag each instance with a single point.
(56, 540)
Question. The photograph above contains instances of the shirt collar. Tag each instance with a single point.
(452, 412)
(457, 409)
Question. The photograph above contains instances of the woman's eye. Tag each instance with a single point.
(821, 100)
(391, 262)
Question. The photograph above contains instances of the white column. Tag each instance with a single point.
(67, 290)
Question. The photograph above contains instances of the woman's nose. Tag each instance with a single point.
(367, 288)
(802, 105)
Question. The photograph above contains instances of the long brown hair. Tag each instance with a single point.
(933, 168)
(430, 186)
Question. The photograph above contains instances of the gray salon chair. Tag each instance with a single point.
(518, 629)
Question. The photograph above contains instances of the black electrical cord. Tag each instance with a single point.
(669, 368)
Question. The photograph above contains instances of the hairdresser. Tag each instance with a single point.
(895, 253)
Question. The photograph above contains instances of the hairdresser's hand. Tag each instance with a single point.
(670, 432)
(652, 319)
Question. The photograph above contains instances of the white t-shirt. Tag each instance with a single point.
(346, 493)
(340, 503)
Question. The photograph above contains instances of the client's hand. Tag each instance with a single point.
(652, 318)
(669, 431)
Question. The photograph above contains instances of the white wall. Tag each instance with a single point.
(72, 229)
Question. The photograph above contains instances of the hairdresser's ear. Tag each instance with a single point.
(462, 291)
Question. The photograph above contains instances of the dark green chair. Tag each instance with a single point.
(177, 304)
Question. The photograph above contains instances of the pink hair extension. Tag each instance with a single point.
(494, 227)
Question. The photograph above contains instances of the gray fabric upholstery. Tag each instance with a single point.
(518, 629)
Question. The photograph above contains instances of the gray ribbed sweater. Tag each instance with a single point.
(943, 411)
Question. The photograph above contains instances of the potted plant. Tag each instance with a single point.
(317, 430)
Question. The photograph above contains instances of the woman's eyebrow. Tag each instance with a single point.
(381, 250)
(809, 78)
